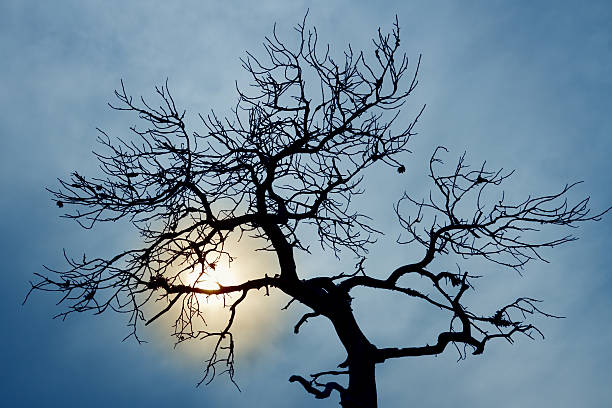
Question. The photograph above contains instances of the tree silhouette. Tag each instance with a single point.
(292, 155)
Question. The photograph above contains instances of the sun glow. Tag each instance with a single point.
(258, 317)
(212, 277)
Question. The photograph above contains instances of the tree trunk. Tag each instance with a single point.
(361, 392)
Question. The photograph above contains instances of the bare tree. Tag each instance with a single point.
(291, 155)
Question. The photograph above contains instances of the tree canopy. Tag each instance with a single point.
(294, 153)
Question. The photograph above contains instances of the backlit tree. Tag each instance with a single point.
(289, 162)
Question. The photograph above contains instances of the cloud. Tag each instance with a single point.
(523, 87)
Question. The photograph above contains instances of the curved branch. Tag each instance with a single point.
(325, 393)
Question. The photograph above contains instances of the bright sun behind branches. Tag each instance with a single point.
(209, 277)
(255, 327)
(212, 276)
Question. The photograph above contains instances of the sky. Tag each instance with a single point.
(521, 85)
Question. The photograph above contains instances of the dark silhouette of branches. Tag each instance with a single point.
(294, 153)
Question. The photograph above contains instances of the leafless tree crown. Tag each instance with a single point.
(295, 152)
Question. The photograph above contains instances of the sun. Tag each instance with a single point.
(211, 276)
(256, 324)
(202, 311)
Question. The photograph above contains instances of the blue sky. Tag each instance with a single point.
(521, 85)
